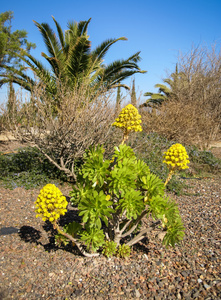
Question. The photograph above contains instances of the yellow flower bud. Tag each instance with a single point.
(129, 119)
(50, 203)
(176, 157)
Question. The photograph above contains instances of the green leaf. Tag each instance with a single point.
(95, 207)
(132, 202)
(141, 168)
(124, 251)
(167, 211)
(93, 238)
(152, 185)
(124, 151)
(73, 228)
(95, 169)
(110, 248)
(174, 234)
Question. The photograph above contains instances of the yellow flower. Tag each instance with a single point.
(129, 120)
(51, 203)
(176, 157)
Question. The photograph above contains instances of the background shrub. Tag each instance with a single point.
(28, 168)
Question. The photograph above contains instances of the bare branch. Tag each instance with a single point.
(71, 238)
(63, 131)
(134, 226)
(142, 233)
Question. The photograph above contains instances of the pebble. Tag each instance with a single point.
(137, 294)
(206, 286)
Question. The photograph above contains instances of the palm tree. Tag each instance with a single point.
(164, 92)
(157, 99)
(72, 61)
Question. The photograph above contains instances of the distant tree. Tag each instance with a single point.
(164, 91)
(12, 44)
(118, 101)
(133, 95)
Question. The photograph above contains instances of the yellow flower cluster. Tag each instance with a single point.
(50, 204)
(129, 119)
(176, 157)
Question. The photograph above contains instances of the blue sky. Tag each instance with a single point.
(157, 28)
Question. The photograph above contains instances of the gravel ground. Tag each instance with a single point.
(32, 267)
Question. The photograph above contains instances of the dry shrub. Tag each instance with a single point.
(187, 123)
(200, 71)
(192, 112)
(63, 128)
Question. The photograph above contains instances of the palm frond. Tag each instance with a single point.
(36, 66)
(60, 34)
(163, 88)
(126, 87)
(50, 40)
(78, 58)
(56, 65)
(75, 30)
(18, 77)
(135, 57)
(100, 51)
(155, 100)
(148, 94)
(116, 78)
(82, 27)
(158, 97)
(120, 65)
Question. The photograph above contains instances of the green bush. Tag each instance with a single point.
(113, 196)
(27, 168)
(204, 161)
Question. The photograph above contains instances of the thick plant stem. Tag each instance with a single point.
(116, 229)
(134, 226)
(169, 177)
(125, 138)
(71, 238)
(118, 234)
(142, 234)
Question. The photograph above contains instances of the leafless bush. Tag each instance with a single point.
(63, 129)
(201, 73)
(187, 123)
(192, 113)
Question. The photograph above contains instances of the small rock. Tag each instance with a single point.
(184, 273)
(206, 286)
(137, 294)
(179, 296)
(77, 292)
